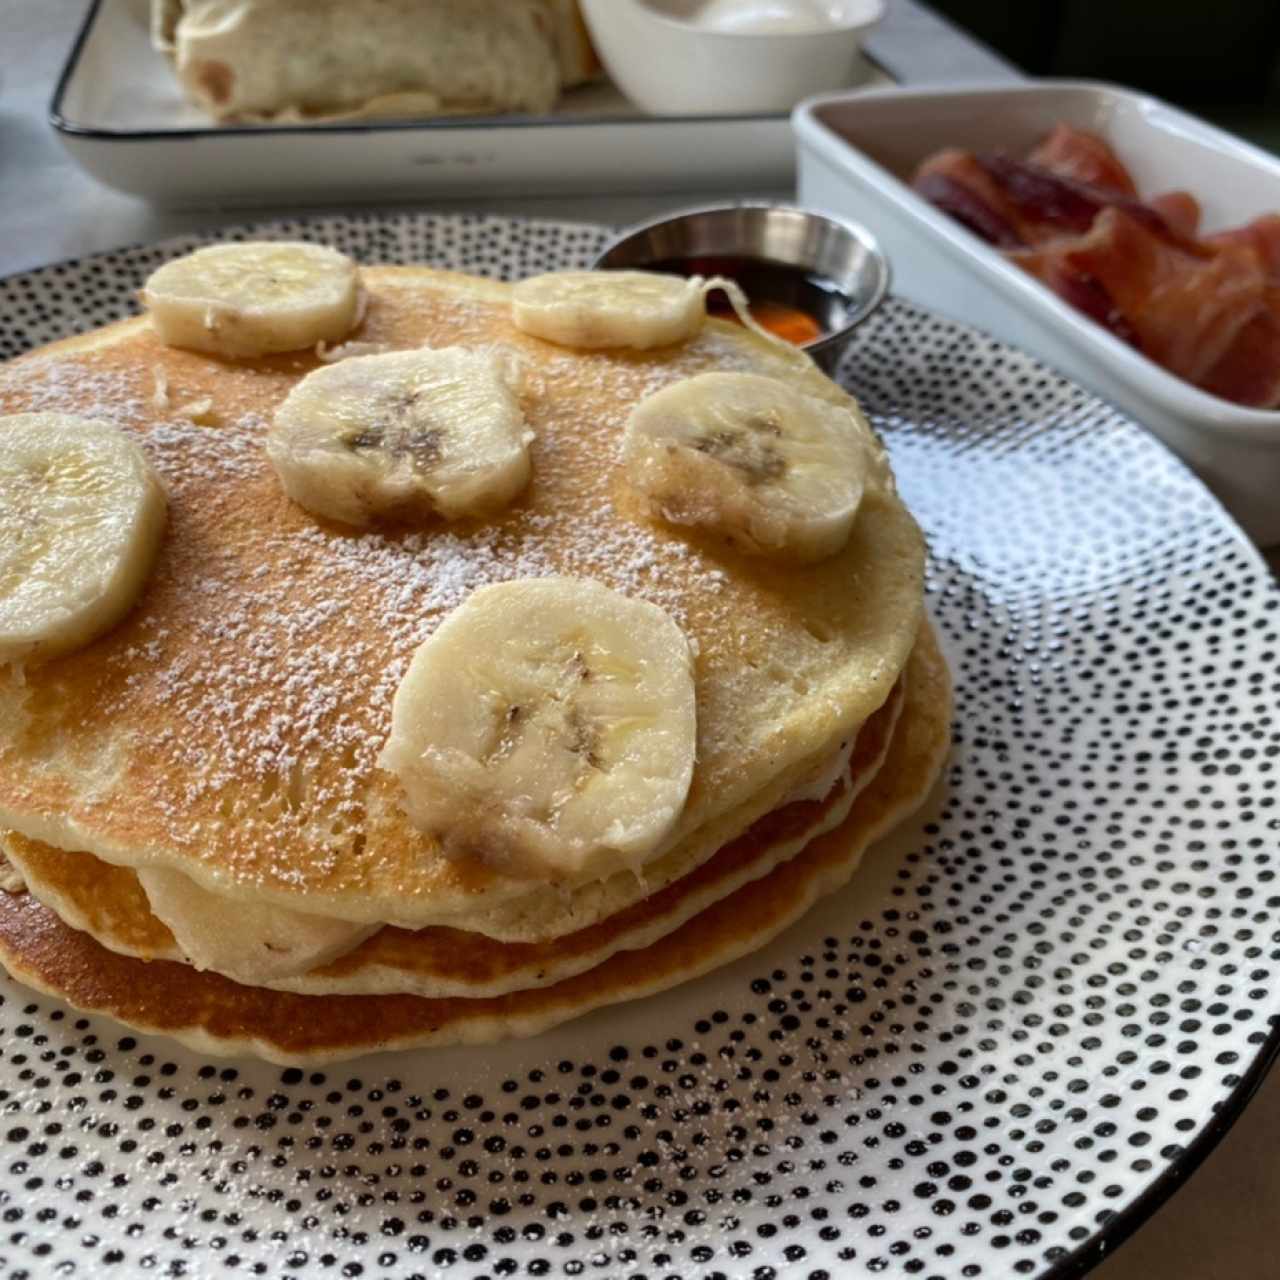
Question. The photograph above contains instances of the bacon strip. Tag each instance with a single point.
(956, 182)
(1180, 210)
(1080, 156)
(1249, 371)
(1185, 308)
(1052, 267)
(1206, 309)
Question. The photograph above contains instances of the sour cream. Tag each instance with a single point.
(752, 16)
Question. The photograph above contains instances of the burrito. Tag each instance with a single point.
(283, 60)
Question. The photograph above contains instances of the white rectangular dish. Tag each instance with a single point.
(132, 130)
(856, 157)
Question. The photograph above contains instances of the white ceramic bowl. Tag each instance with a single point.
(856, 155)
(721, 57)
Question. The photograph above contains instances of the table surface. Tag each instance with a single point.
(1221, 1224)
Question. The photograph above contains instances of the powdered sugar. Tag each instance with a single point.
(275, 643)
(53, 385)
(278, 660)
(191, 455)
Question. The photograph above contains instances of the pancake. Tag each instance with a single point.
(108, 903)
(216, 1016)
(228, 728)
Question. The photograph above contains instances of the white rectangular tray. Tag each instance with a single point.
(119, 111)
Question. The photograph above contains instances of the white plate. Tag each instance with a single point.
(857, 156)
(1022, 1025)
(121, 115)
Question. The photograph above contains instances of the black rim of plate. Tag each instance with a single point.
(1123, 1222)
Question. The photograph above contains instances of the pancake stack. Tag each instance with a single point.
(225, 812)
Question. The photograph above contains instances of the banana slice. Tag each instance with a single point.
(253, 299)
(778, 472)
(403, 435)
(248, 942)
(593, 309)
(81, 515)
(548, 729)
(639, 309)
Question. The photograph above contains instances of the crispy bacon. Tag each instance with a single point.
(1080, 156)
(1180, 210)
(1185, 308)
(1249, 371)
(955, 182)
(1051, 203)
(1052, 267)
(1048, 204)
(1206, 309)
(1262, 234)
(1011, 203)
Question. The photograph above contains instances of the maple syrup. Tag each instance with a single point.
(787, 300)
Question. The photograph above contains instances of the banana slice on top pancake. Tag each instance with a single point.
(81, 517)
(590, 310)
(778, 472)
(254, 299)
(548, 729)
(403, 435)
(595, 309)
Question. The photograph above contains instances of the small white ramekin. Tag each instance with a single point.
(669, 63)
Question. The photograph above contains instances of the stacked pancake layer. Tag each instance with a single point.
(228, 730)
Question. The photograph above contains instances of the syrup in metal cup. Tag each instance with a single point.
(810, 277)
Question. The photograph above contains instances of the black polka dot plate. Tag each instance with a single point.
(1033, 1012)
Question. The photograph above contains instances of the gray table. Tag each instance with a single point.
(1221, 1226)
